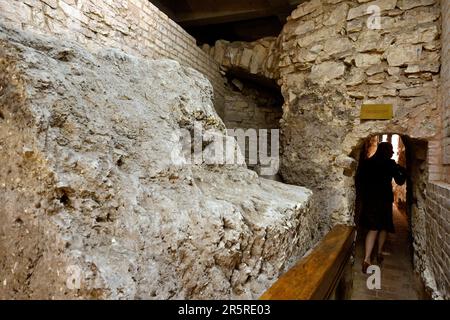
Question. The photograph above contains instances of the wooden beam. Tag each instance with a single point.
(315, 276)
(296, 2)
(278, 3)
(215, 12)
(288, 8)
(208, 18)
(225, 5)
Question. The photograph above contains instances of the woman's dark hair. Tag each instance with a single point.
(384, 150)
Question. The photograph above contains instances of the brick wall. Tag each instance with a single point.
(445, 74)
(438, 189)
(438, 234)
(247, 111)
(242, 112)
(135, 26)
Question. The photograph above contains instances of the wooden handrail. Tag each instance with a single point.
(316, 276)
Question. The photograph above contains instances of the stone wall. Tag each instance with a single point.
(134, 26)
(259, 57)
(331, 63)
(438, 234)
(446, 91)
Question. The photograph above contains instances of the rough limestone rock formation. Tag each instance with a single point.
(93, 205)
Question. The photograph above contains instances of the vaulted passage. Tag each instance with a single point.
(399, 277)
(253, 104)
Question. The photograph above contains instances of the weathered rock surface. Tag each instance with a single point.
(409, 4)
(258, 57)
(91, 197)
(324, 72)
(306, 8)
(362, 9)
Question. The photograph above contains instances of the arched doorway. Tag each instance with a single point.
(403, 250)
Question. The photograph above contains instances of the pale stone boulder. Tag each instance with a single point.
(368, 41)
(357, 76)
(364, 60)
(357, 94)
(219, 50)
(259, 54)
(362, 9)
(306, 8)
(421, 35)
(258, 57)
(327, 71)
(355, 25)
(99, 199)
(246, 58)
(409, 4)
(337, 16)
(403, 54)
(303, 28)
(412, 68)
(330, 66)
(337, 46)
(422, 14)
(375, 69)
(375, 91)
(316, 36)
(414, 92)
(376, 79)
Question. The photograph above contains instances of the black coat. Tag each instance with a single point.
(376, 189)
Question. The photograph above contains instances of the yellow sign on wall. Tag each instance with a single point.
(377, 112)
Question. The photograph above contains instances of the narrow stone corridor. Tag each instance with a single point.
(398, 280)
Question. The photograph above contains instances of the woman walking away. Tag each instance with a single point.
(376, 182)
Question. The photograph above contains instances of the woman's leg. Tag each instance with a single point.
(381, 240)
(370, 243)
